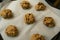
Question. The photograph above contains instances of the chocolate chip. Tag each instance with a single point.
(29, 14)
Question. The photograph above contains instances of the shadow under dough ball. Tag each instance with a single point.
(6, 14)
(11, 30)
(37, 37)
(25, 5)
(49, 21)
(29, 18)
(40, 6)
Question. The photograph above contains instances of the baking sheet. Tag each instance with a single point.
(25, 31)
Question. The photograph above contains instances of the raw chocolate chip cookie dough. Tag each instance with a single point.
(11, 30)
(37, 37)
(49, 21)
(40, 6)
(6, 13)
(25, 5)
(29, 18)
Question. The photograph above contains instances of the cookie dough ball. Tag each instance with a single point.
(40, 6)
(29, 18)
(11, 30)
(25, 5)
(49, 21)
(6, 13)
(37, 37)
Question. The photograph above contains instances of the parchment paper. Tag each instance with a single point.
(26, 31)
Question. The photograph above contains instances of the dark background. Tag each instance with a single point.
(51, 2)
